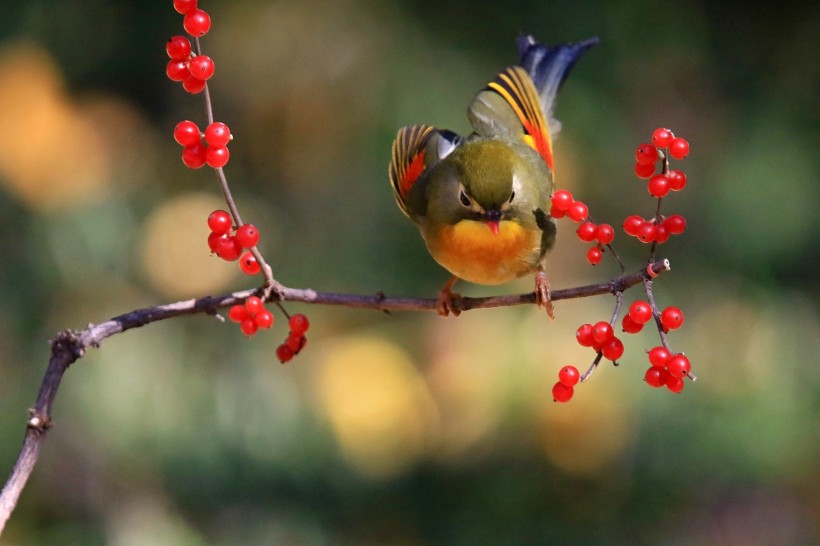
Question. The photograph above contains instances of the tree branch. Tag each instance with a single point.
(69, 346)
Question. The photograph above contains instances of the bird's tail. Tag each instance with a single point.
(548, 67)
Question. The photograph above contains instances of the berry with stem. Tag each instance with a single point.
(197, 23)
(247, 235)
(248, 264)
(672, 318)
(217, 134)
(201, 67)
(661, 137)
(217, 157)
(178, 48)
(186, 133)
(562, 393)
(679, 148)
(569, 376)
(219, 221)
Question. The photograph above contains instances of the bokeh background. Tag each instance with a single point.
(405, 429)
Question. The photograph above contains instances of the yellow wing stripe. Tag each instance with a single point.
(516, 87)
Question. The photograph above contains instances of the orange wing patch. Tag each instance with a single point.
(516, 87)
(407, 162)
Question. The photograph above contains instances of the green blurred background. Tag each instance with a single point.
(405, 429)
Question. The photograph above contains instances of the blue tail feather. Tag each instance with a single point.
(549, 66)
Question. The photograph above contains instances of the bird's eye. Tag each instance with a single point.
(512, 196)
(463, 198)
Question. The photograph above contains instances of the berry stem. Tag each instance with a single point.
(592, 367)
(270, 283)
(650, 296)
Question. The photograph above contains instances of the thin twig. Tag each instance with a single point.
(69, 346)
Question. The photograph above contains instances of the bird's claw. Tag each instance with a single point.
(448, 302)
(542, 293)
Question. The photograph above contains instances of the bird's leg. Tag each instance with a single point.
(542, 291)
(447, 299)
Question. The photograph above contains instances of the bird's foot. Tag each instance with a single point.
(449, 301)
(542, 292)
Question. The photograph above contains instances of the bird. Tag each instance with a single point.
(482, 202)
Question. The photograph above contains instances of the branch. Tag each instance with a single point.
(69, 346)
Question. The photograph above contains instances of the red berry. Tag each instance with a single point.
(296, 342)
(643, 170)
(555, 213)
(228, 249)
(674, 384)
(220, 222)
(238, 313)
(217, 157)
(658, 185)
(178, 48)
(584, 335)
(594, 255)
(578, 211)
(247, 235)
(561, 392)
(264, 319)
(646, 154)
(248, 264)
(214, 241)
(679, 148)
(671, 318)
(569, 376)
(640, 311)
(176, 70)
(678, 366)
(191, 84)
(677, 180)
(193, 156)
(254, 305)
(185, 6)
(298, 324)
(561, 200)
(201, 67)
(248, 326)
(662, 137)
(217, 134)
(658, 356)
(197, 23)
(602, 332)
(613, 349)
(656, 377)
(630, 326)
(675, 224)
(605, 234)
(586, 231)
(632, 224)
(186, 133)
(283, 353)
(646, 233)
(661, 233)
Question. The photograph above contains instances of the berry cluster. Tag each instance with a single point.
(664, 145)
(192, 70)
(296, 339)
(563, 204)
(228, 245)
(198, 148)
(210, 147)
(563, 390)
(251, 316)
(667, 369)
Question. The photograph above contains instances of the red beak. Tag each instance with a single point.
(493, 225)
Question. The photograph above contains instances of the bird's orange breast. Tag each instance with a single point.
(471, 251)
